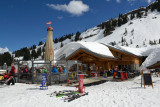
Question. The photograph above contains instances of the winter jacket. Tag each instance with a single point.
(65, 71)
(13, 71)
(55, 70)
(115, 69)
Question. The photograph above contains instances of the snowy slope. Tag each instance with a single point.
(92, 34)
(140, 32)
(144, 29)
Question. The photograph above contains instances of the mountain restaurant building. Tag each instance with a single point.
(98, 57)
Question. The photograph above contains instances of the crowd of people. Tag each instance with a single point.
(122, 72)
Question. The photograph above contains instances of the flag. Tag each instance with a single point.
(48, 23)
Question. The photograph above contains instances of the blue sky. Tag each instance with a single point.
(22, 22)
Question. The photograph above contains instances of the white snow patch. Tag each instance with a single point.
(109, 94)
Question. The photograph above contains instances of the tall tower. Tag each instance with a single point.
(49, 50)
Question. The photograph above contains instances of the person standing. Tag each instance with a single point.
(115, 70)
(125, 72)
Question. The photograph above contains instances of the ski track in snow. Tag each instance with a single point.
(109, 94)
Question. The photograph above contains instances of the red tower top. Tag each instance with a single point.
(50, 28)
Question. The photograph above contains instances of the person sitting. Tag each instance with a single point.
(54, 70)
(44, 70)
(6, 75)
(65, 71)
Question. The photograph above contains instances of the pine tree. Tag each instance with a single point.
(125, 19)
(155, 42)
(39, 52)
(146, 12)
(125, 32)
(56, 40)
(6, 58)
(77, 36)
(126, 44)
(122, 40)
(114, 22)
(132, 16)
(114, 42)
(27, 55)
(61, 44)
(40, 43)
(150, 42)
(139, 15)
(131, 41)
(34, 47)
(119, 21)
(122, 43)
(108, 27)
(132, 31)
(34, 54)
(144, 43)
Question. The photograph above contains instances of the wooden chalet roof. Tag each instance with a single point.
(156, 65)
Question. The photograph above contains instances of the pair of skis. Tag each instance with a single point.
(68, 95)
(74, 96)
(62, 93)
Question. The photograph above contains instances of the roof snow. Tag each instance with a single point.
(153, 58)
(94, 47)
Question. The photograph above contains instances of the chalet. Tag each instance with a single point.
(99, 56)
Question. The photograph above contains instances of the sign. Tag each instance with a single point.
(44, 79)
(146, 78)
(80, 87)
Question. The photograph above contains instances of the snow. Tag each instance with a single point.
(153, 58)
(19, 58)
(3, 50)
(95, 33)
(145, 29)
(91, 46)
(109, 94)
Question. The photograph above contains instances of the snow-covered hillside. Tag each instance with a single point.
(3, 50)
(138, 31)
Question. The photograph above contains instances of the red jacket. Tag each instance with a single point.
(6, 75)
(13, 71)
